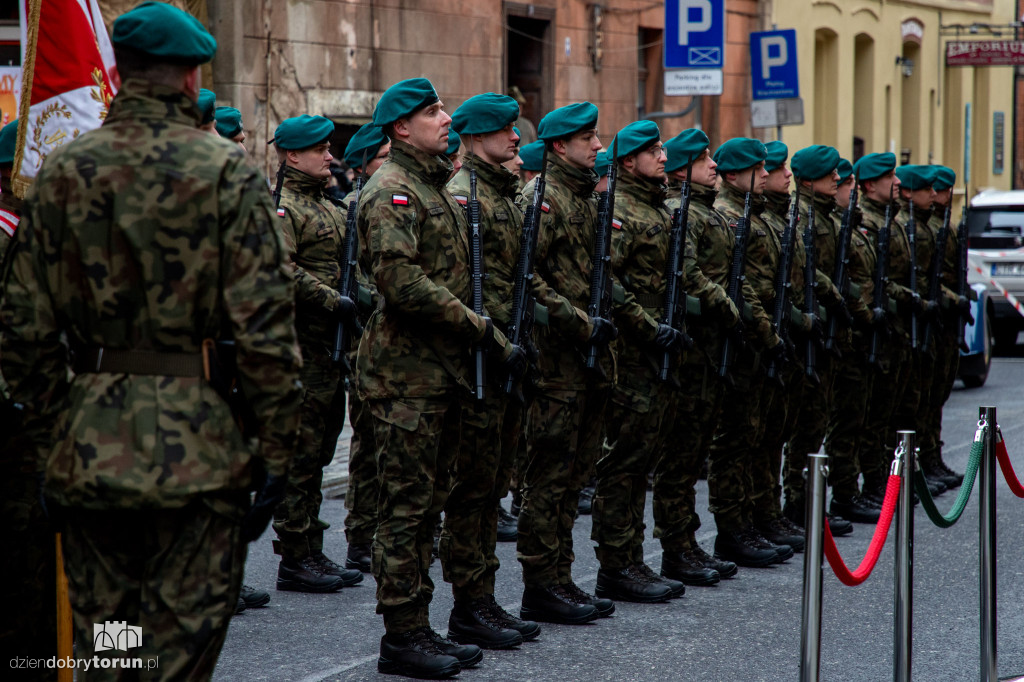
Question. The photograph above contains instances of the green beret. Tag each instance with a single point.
(567, 120)
(602, 163)
(777, 152)
(454, 142)
(739, 153)
(229, 121)
(684, 148)
(845, 170)
(207, 101)
(402, 99)
(8, 140)
(364, 145)
(914, 177)
(871, 166)
(486, 113)
(636, 137)
(302, 132)
(162, 30)
(531, 155)
(816, 161)
(944, 177)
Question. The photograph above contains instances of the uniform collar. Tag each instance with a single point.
(649, 191)
(140, 99)
(579, 181)
(777, 202)
(433, 169)
(703, 194)
(498, 177)
(303, 183)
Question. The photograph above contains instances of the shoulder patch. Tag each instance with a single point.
(280, 212)
(8, 222)
(461, 198)
(545, 206)
(399, 200)
(616, 223)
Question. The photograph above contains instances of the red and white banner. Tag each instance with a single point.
(66, 88)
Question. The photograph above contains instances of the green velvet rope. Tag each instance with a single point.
(961, 499)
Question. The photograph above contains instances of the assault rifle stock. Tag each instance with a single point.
(912, 245)
(476, 269)
(349, 285)
(810, 296)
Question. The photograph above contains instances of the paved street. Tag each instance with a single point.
(745, 629)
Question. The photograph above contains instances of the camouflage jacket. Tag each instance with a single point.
(950, 263)
(899, 260)
(417, 342)
(564, 263)
(501, 225)
(313, 231)
(762, 261)
(826, 244)
(157, 236)
(924, 248)
(860, 268)
(777, 216)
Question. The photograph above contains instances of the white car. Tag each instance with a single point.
(995, 241)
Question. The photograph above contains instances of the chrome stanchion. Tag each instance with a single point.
(810, 639)
(987, 553)
(903, 592)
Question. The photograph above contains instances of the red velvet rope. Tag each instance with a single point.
(1003, 458)
(846, 577)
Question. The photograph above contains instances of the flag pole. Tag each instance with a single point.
(18, 183)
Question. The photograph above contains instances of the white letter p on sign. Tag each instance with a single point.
(767, 61)
(702, 25)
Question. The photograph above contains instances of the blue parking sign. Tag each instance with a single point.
(773, 65)
(694, 34)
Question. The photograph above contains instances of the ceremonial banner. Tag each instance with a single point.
(10, 93)
(66, 87)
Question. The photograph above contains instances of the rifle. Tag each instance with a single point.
(810, 297)
(783, 285)
(476, 266)
(912, 245)
(961, 271)
(935, 280)
(736, 278)
(520, 326)
(841, 275)
(675, 295)
(601, 274)
(277, 188)
(880, 300)
(349, 267)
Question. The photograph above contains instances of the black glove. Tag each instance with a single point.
(669, 338)
(532, 354)
(916, 302)
(963, 305)
(817, 328)
(487, 340)
(262, 511)
(779, 353)
(516, 363)
(603, 332)
(346, 309)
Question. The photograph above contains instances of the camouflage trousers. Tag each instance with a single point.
(417, 444)
(732, 449)
(174, 573)
(888, 389)
(490, 438)
(687, 440)
(636, 420)
(297, 519)
(564, 429)
(780, 406)
(809, 424)
(29, 567)
(935, 395)
(363, 487)
(852, 389)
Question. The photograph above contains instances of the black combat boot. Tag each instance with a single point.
(414, 654)
(839, 525)
(676, 587)
(240, 606)
(629, 584)
(474, 623)
(940, 472)
(782, 550)
(555, 605)
(605, 607)
(359, 557)
(736, 546)
(688, 568)
(349, 576)
(253, 598)
(780, 533)
(855, 509)
(467, 655)
(508, 526)
(527, 628)
(725, 569)
(306, 576)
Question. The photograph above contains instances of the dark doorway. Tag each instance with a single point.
(529, 61)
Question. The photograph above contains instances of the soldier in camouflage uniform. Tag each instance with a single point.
(944, 336)
(366, 152)
(313, 230)
(140, 263)
(640, 403)
(229, 125)
(490, 427)
(698, 402)
(741, 164)
(565, 419)
(413, 366)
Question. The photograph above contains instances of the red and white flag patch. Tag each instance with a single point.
(8, 222)
(280, 212)
(461, 199)
(545, 206)
(399, 200)
(616, 223)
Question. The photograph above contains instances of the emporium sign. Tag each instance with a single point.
(984, 52)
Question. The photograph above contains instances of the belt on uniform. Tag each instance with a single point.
(656, 301)
(130, 361)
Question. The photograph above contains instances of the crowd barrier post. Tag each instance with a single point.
(987, 545)
(903, 590)
(810, 645)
